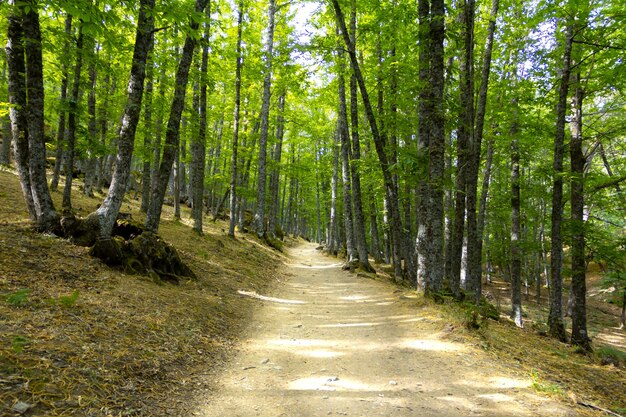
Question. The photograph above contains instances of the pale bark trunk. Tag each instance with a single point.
(17, 110)
(47, 217)
(144, 38)
(172, 133)
(332, 238)
(555, 319)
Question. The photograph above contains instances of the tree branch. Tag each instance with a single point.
(599, 45)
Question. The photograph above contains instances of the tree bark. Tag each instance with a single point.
(58, 160)
(92, 128)
(344, 135)
(423, 132)
(147, 134)
(172, 133)
(357, 201)
(516, 263)
(17, 110)
(199, 144)
(47, 218)
(333, 238)
(379, 143)
(259, 215)
(72, 122)
(274, 180)
(436, 148)
(580, 337)
(555, 319)
(144, 38)
(233, 178)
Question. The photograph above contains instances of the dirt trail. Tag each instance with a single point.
(328, 343)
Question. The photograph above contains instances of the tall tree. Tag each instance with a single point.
(110, 207)
(555, 319)
(259, 215)
(172, 134)
(236, 122)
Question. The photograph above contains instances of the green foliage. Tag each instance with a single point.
(540, 385)
(68, 301)
(18, 343)
(18, 298)
(609, 355)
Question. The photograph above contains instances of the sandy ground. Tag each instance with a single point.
(329, 343)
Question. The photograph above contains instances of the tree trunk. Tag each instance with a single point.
(147, 135)
(259, 216)
(516, 265)
(72, 122)
(436, 150)
(332, 238)
(17, 110)
(423, 132)
(345, 159)
(233, 178)
(58, 160)
(47, 218)
(92, 129)
(144, 38)
(555, 319)
(380, 143)
(172, 133)
(357, 201)
(578, 294)
(198, 145)
(274, 181)
(158, 134)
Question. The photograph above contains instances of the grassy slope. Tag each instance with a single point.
(127, 346)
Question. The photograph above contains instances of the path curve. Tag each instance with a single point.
(329, 343)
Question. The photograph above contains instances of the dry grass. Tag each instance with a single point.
(78, 338)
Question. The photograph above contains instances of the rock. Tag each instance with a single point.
(265, 361)
(392, 382)
(21, 407)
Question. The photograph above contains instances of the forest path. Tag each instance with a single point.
(329, 343)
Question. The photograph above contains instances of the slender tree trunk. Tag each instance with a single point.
(90, 154)
(275, 172)
(555, 319)
(516, 296)
(72, 122)
(199, 144)
(17, 110)
(333, 239)
(357, 201)
(104, 124)
(144, 38)
(58, 160)
(5, 149)
(233, 178)
(580, 337)
(380, 143)
(259, 215)
(345, 159)
(147, 135)
(423, 132)
(158, 134)
(172, 133)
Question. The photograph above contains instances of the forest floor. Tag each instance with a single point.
(261, 333)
